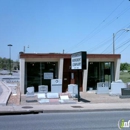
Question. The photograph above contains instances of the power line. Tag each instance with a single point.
(124, 43)
(114, 19)
(98, 26)
(100, 45)
(106, 48)
(114, 10)
(110, 22)
(128, 25)
(125, 48)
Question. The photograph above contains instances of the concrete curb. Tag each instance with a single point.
(89, 110)
(30, 109)
(57, 111)
(5, 94)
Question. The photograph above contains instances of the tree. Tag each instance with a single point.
(124, 66)
(4, 63)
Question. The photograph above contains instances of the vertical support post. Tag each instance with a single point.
(78, 87)
(10, 60)
(22, 75)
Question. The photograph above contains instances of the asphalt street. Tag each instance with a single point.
(107, 120)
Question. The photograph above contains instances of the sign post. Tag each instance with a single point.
(78, 62)
(78, 87)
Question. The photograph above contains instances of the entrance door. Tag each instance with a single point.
(66, 81)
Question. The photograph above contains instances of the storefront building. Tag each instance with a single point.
(39, 69)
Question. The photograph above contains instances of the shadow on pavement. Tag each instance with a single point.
(84, 100)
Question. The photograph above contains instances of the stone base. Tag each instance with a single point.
(102, 90)
(124, 96)
(31, 100)
(52, 95)
(67, 102)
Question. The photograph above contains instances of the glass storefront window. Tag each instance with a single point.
(99, 72)
(40, 73)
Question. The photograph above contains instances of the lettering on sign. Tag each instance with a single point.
(78, 60)
(48, 75)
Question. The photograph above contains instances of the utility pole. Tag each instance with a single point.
(10, 45)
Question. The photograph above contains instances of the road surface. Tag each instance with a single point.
(105, 120)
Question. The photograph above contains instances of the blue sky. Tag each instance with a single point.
(71, 25)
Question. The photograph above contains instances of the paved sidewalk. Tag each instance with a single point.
(64, 108)
(87, 97)
(89, 102)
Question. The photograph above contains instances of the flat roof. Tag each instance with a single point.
(66, 55)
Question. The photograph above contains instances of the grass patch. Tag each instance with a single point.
(125, 77)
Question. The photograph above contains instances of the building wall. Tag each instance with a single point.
(22, 74)
(117, 69)
(85, 76)
(60, 66)
(64, 71)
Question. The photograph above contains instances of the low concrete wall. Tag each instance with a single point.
(6, 92)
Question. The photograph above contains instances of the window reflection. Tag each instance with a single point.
(99, 72)
(40, 73)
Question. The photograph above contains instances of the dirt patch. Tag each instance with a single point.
(15, 99)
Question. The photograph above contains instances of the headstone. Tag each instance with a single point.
(28, 100)
(128, 85)
(31, 98)
(67, 102)
(102, 88)
(41, 95)
(30, 91)
(73, 89)
(43, 101)
(107, 84)
(43, 89)
(56, 85)
(64, 97)
(100, 84)
(116, 88)
(90, 88)
(52, 95)
(125, 93)
(63, 94)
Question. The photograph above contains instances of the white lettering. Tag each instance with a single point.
(126, 124)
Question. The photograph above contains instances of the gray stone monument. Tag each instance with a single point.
(73, 89)
(43, 89)
(30, 91)
(102, 88)
(52, 95)
(56, 85)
